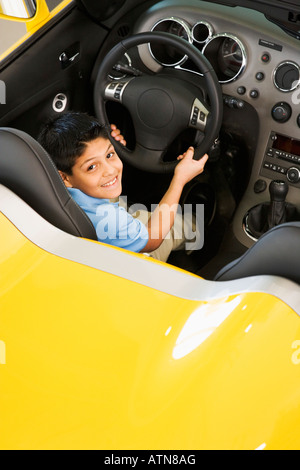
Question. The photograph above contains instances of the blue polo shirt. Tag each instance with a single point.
(113, 224)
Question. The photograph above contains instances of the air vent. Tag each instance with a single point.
(287, 76)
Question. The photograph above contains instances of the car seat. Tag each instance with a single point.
(28, 171)
(276, 253)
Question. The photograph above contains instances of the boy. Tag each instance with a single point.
(92, 172)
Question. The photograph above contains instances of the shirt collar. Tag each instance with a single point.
(83, 200)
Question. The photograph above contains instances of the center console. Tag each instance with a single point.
(282, 159)
(281, 165)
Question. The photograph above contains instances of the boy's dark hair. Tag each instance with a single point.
(65, 138)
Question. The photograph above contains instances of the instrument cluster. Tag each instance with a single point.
(225, 52)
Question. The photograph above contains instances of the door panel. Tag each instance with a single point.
(36, 76)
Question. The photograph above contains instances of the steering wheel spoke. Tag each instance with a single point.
(114, 90)
(199, 116)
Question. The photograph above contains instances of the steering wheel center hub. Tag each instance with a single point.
(155, 108)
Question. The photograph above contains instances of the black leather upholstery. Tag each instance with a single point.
(276, 253)
(27, 170)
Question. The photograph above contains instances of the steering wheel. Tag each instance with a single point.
(161, 106)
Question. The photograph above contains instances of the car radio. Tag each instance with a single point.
(282, 156)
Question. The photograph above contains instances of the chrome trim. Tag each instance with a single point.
(191, 40)
(209, 28)
(115, 89)
(288, 62)
(247, 229)
(197, 122)
(188, 32)
(62, 99)
(242, 47)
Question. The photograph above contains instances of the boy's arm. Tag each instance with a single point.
(162, 219)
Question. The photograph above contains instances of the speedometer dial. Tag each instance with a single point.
(231, 57)
(227, 55)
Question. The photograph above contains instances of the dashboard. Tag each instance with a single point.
(223, 50)
(258, 68)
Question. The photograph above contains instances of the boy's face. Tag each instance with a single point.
(98, 171)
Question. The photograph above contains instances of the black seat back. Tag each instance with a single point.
(27, 170)
(276, 253)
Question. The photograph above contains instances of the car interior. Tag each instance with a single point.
(171, 74)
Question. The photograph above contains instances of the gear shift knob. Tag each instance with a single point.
(277, 209)
(278, 190)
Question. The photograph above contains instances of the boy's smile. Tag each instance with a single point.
(98, 171)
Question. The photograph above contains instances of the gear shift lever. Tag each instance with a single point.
(277, 210)
(267, 215)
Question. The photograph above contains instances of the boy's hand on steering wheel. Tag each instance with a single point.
(116, 134)
(188, 168)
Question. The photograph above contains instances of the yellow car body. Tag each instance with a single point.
(95, 359)
(104, 349)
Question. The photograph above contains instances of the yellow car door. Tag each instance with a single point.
(20, 19)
